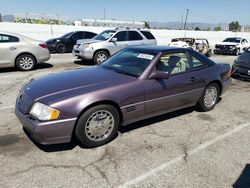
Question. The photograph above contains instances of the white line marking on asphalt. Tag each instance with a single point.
(6, 107)
(181, 157)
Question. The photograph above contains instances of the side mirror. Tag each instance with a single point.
(158, 75)
(113, 40)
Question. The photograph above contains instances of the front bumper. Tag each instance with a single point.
(241, 72)
(84, 53)
(49, 132)
(225, 50)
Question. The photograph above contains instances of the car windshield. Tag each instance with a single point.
(236, 40)
(66, 35)
(105, 35)
(129, 62)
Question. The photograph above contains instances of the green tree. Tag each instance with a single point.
(146, 25)
(234, 26)
(217, 28)
(197, 29)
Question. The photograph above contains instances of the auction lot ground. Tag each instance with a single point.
(180, 149)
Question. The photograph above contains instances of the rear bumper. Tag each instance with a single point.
(225, 85)
(50, 132)
(43, 56)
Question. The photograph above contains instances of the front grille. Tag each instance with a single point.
(24, 104)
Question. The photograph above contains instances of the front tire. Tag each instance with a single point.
(60, 48)
(97, 126)
(209, 98)
(26, 62)
(100, 57)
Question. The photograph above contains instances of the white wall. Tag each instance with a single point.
(44, 32)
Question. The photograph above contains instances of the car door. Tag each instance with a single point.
(134, 39)
(8, 46)
(120, 44)
(181, 89)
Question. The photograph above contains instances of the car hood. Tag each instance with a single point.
(228, 43)
(73, 82)
(244, 59)
(90, 41)
(53, 40)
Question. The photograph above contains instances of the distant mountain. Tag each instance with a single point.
(189, 26)
(8, 18)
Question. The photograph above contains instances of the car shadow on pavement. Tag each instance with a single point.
(83, 62)
(156, 119)
(53, 147)
(244, 179)
(38, 66)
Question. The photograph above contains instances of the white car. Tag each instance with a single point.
(21, 52)
(232, 45)
(111, 41)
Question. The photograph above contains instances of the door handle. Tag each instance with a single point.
(12, 48)
(193, 79)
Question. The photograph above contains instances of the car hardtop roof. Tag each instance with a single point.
(190, 38)
(157, 49)
(234, 37)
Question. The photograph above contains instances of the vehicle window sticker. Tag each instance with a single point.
(145, 56)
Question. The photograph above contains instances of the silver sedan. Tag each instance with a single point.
(21, 52)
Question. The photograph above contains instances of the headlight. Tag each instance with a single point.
(86, 45)
(231, 47)
(43, 112)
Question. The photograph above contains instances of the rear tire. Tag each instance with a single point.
(100, 57)
(97, 126)
(209, 98)
(26, 62)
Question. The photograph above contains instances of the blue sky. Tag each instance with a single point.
(209, 11)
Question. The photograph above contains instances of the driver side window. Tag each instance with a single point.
(174, 63)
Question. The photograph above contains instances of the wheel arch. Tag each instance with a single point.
(23, 53)
(102, 49)
(219, 85)
(107, 102)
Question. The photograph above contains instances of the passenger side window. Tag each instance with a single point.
(196, 63)
(7, 38)
(121, 36)
(174, 63)
(134, 35)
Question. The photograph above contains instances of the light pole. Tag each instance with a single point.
(185, 24)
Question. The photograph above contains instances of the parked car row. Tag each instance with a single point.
(24, 53)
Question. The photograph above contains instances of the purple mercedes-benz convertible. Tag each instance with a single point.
(134, 84)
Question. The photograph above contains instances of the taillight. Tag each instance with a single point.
(43, 45)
